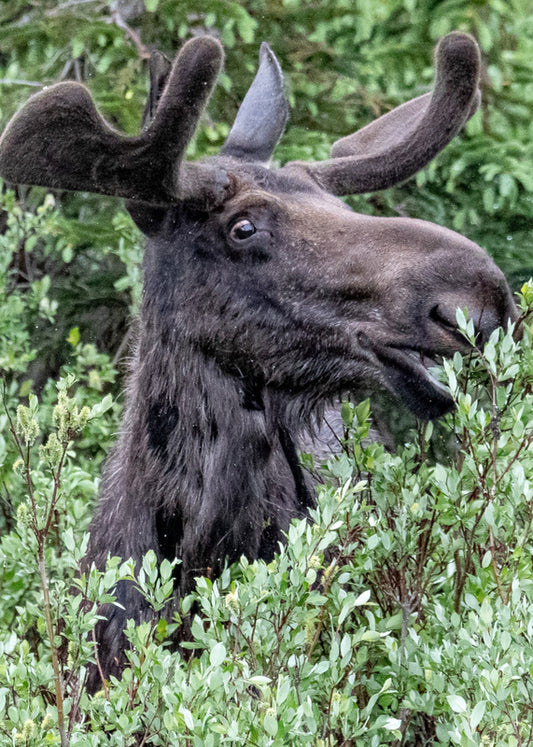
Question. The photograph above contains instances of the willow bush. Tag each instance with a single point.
(402, 614)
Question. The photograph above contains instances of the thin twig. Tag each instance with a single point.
(525, 442)
(99, 667)
(495, 570)
(122, 347)
(66, 6)
(118, 20)
(53, 647)
(56, 492)
(20, 82)
(40, 536)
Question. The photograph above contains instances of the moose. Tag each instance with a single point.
(265, 299)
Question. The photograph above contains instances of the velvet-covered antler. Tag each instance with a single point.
(400, 143)
(59, 140)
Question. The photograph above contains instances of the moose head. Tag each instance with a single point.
(265, 296)
(292, 290)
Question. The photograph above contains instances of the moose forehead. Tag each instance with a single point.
(243, 175)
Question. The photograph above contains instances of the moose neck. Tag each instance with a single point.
(219, 441)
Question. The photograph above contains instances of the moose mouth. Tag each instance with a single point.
(408, 374)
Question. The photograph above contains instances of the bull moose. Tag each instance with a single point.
(265, 298)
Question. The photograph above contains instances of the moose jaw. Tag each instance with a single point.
(265, 298)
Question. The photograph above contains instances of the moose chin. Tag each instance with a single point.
(265, 298)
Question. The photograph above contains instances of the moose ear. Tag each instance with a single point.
(160, 67)
(263, 114)
(150, 218)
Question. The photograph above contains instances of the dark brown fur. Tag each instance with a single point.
(245, 333)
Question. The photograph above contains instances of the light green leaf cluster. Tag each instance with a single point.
(403, 608)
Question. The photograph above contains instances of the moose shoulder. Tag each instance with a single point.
(265, 297)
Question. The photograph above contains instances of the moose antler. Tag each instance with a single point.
(400, 143)
(59, 139)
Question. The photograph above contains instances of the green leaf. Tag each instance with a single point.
(362, 598)
(68, 540)
(258, 679)
(392, 724)
(347, 413)
(217, 654)
(246, 26)
(461, 318)
(477, 714)
(187, 717)
(371, 635)
(26, 387)
(270, 722)
(78, 45)
(457, 703)
(74, 336)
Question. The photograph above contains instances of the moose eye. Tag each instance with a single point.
(243, 229)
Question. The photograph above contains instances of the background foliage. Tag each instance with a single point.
(404, 615)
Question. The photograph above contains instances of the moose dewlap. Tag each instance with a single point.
(265, 297)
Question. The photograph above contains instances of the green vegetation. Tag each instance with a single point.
(403, 614)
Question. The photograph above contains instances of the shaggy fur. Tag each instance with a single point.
(265, 297)
(238, 350)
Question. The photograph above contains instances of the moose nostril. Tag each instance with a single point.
(443, 317)
(485, 321)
